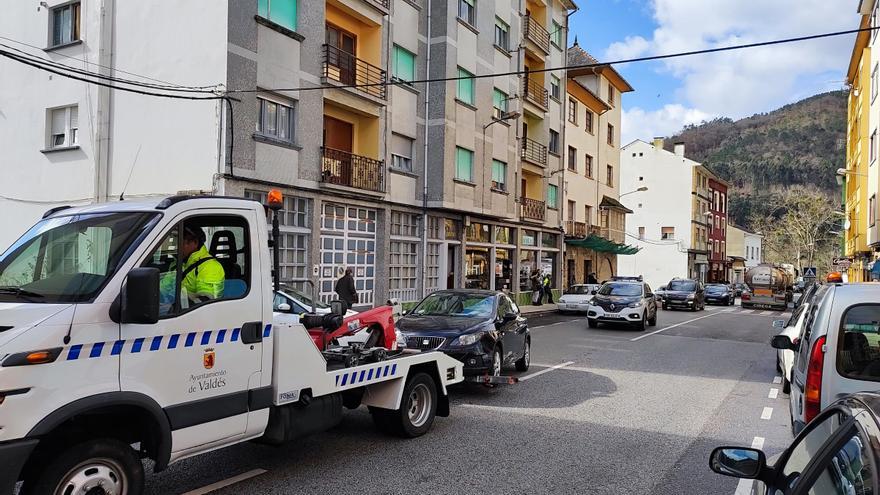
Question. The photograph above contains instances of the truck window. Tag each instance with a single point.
(201, 260)
(858, 350)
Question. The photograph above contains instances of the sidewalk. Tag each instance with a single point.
(532, 310)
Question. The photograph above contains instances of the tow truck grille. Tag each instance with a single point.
(424, 343)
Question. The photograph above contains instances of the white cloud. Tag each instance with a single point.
(743, 82)
(631, 47)
(640, 124)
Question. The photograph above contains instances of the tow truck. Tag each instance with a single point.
(106, 360)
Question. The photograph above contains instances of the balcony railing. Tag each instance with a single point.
(577, 230)
(532, 209)
(535, 32)
(380, 3)
(534, 152)
(535, 92)
(347, 169)
(345, 68)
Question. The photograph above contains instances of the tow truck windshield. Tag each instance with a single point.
(68, 259)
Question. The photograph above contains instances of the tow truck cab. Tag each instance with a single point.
(105, 344)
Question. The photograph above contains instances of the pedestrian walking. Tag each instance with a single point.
(547, 290)
(345, 289)
(537, 288)
(591, 278)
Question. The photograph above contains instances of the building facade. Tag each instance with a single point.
(744, 251)
(592, 170)
(719, 265)
(417, 187)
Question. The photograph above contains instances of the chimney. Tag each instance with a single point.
(658, 143)
(679, 149)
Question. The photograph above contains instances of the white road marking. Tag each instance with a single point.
(227, 482)
(729, 310)
(746, 311)
(557, 323)
(758, 443)
(767, 313)
(767, 413)
(777, 379)
(548, 370)
(669, 327)
(774, 393)
(785, 315)
(744, 487)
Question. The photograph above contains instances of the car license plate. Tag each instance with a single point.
(572, 306)
(611, 315)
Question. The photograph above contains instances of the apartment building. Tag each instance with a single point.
(479, 206)
(671, 218)
(719, 264)
(595, 220)
(744, 250)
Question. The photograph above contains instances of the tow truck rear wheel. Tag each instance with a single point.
(417, 409)
(96, 467)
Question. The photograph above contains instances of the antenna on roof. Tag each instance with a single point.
(130, 171)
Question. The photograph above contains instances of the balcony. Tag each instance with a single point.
(575, 230)
(535, 93)
(534, 152)
(532, 209)
(346, 69)
(347, 169)
(533, 31)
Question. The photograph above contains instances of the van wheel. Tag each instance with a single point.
(97, 466)
(417, 409)
(523, 363)
(786, 386)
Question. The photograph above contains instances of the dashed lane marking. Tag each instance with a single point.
(767, 313)
(747, 311)
(777, 379)
(548, 370)
(670, 327)
(227, 482)
(767, 413)
(774, 393)
(744, 487)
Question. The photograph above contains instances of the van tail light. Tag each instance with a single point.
(813, 387)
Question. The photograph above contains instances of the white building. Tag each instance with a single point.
(669, 219)
(753, 244)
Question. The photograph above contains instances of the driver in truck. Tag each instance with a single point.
(203, 275)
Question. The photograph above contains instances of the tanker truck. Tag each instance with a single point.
(769, 285)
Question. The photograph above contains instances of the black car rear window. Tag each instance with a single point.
(716, 288)
(858, 351)
(682, 285)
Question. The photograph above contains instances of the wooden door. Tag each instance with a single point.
(342, 54)
(338, 145)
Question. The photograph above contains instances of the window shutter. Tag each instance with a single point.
(74, 117)
(58, 120)
(401, 145)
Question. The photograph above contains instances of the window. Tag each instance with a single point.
(588, 166)
(63, 127)
(572, 158)
(403, 265)
(502, 34)
(432, 267)
(872, 210)
(874, 82)
(588, 122)
(275, 119)
(186, 282)
(554, 142)
(588, 214)
(557, 35)
(874, 21)
(401, 152)
(464, 164)
(570, 210)
(553, 196)
(573, 111)
(723, 203)
(554, 87)
(723, 247)
(499, 103)
(499, 175)
(610, 135)
(281, 12)
(294, 221)
(872, 152)
(610, 94)
(403, 64)
(609, 175)
(65, 24)
(667, 233)
(404, 224)
(641, 233)
(465, 91)
(466, 11)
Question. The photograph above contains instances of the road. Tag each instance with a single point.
(608, 410)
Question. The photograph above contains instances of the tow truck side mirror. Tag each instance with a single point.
(140, 298)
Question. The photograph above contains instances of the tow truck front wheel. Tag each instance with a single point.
(417, 409)
(97, 467)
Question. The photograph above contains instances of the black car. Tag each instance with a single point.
(623, 302)
(684, 293)
(838, 452)
(719, 294)
(481, 328)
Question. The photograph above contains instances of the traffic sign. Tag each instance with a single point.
(810, 272)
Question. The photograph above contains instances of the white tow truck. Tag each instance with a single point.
(105, 359)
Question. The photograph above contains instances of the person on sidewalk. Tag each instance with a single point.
(537, 289)
(547, 290)
(591, 279)
(345, 289)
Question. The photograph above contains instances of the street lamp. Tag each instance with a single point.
(842, 173)
(641, 189)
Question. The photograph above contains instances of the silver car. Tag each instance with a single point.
(838, 350)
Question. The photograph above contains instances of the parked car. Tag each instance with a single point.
(740, 287)
(481, 328)
(719, 294)
(792, 328)
(684, 293)
(660, 293)
(577, 298)
(623, 302)
(838, 350)
(837, 453)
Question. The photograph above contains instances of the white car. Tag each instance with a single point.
(577, 298)
(792, 329)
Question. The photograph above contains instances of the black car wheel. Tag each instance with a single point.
(664, 307)
(525, 360)
(592, 323)
(640, 326)
(652, 321)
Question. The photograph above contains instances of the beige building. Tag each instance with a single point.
(593, 215)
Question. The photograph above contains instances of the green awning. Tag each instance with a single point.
(602, 245)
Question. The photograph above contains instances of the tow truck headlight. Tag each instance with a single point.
(468, 339)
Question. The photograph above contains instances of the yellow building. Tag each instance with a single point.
(859, 150)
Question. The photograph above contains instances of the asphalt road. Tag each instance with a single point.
(608, 410)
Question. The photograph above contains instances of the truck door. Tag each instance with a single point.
(202, 360)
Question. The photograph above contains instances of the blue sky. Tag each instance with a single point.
(670, 94)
